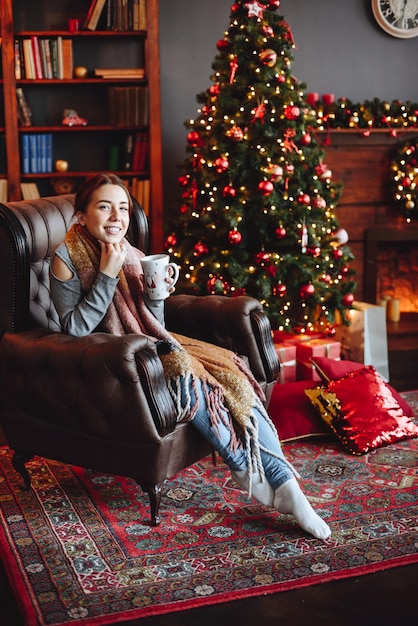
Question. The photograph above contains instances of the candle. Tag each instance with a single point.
(312, 98)
(328, 98)
(393, 310)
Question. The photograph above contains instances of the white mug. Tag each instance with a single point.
(155, 268)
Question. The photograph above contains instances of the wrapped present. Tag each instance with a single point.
(328, 348)
(365, 340)
(281, 336)
(286, 353)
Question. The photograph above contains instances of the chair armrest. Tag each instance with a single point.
(238, 324)
(100, 384)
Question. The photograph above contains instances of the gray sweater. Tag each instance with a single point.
(81, 314)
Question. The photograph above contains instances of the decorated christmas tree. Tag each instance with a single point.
(257, 202)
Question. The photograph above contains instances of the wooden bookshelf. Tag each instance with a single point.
(88, 150)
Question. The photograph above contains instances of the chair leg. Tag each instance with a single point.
(154, 495)
(18, 461)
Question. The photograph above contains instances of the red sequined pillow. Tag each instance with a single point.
(361, 411)
(331, 369)
(292, 413)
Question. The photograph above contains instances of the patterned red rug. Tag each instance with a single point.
(78, 551)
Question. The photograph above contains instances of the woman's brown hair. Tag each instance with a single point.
(92, 183)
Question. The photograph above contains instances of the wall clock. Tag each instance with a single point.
(399, 18)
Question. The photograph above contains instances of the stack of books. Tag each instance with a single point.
(38, 58)
(128, 106)
(116, 15)
(120, 72)
(37, 153)
(29, 191)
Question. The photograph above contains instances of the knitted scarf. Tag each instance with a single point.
(231, 391)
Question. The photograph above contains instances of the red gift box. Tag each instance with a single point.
(281, 336)
(286, 353)
(306, 350)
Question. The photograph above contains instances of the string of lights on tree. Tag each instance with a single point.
(257, 205)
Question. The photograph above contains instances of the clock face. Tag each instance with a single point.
(397, 17)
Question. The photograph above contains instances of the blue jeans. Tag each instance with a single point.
(276, 469)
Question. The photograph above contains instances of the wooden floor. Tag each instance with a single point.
(388, 598)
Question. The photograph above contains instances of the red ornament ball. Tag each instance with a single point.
(229, 191)
(215, 90)
(319, 203)
(306, 139)
(262, 258)
(306, 291)
(171, 241)
(194, 139)
(337, 253)
(200, 249)
(281, 232)
(183, 181)
(315, 251)
(222, 44)
(304, 198)
(183, 208)
(279, 290)
(221, 164)
(347, 299)
(292, 112)
(234, 237)
(265, 187)
(273, 4)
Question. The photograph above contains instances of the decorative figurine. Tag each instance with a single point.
(71, 118)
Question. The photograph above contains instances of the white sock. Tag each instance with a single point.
(261, 490)
(289, 498)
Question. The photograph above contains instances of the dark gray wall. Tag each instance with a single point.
(340, 49)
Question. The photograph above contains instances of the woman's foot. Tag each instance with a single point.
(261, 490)
(289, 498)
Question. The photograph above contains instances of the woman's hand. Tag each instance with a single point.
(169, 280)
(112, 258)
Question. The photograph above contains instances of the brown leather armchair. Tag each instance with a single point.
(101, 401)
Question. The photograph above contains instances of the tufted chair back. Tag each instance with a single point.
(29, 231)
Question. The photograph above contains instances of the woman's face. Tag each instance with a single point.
(107, 214)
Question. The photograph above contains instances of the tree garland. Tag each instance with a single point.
(404, 171)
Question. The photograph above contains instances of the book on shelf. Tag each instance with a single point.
(129, 152)
(140, 189)
(29, 191)
(23, 108)
(28, 59)
(93, 14)
(120, 72)
(36, 57)
(3, 189)
(140, 152)
(67, 58)
(128, 106)
(18, 65)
